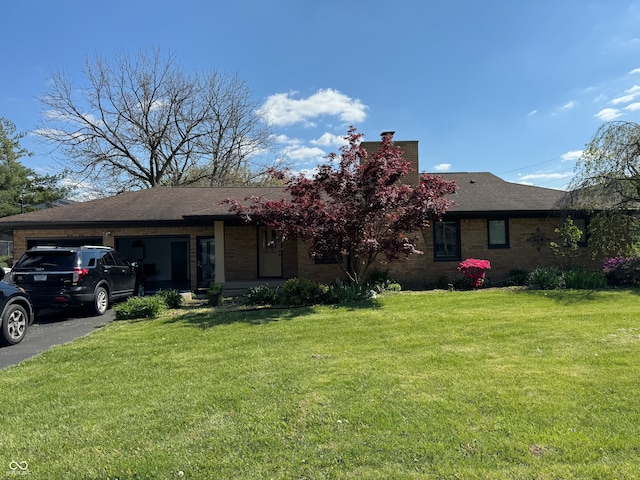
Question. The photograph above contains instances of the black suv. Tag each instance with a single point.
(66, 276)
(17, 313)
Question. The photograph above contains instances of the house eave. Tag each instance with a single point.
(89, 224)
(211, 218)
(502, 213)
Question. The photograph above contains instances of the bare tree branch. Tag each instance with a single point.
(141, 123)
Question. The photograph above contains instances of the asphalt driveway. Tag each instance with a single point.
(52, 327)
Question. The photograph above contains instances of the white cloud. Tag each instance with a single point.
(623, 99)
(635, 71)
(572, 155)
(65, 117)
(282, 109)
(532, 113)
(632, 107)
(329, 139)
(300, 153)
(307, 172)
(608, 114)
(545, 176)
(631, 94)
(442, 167)
(282, 139)
(81, 191)
(567, 106)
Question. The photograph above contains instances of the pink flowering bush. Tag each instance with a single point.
(474, 270)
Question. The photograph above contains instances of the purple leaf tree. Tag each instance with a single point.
(354, 209)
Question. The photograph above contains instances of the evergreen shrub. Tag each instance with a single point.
(262, 295)
(303, 291)
(546, 278)
(140, 307)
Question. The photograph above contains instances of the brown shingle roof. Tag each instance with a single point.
(483, 192)
(478, 193)
(152, 205)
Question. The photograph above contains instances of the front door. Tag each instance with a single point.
(206, 261)
(269, 253)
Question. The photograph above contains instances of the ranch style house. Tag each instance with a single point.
(185, 237)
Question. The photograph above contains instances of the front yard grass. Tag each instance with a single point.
(494, 384)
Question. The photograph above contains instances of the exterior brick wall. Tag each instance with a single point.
(411, 272)
(241, 253)
(422, 271)
(308, 268)
(289, 259)
(415, 272)
(241, 250)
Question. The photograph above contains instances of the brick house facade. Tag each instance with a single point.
(186, 237)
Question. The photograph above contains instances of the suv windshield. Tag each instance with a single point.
(47, 260)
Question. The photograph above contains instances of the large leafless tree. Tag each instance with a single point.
(142, 122)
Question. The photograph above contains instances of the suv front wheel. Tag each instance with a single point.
(100, 301)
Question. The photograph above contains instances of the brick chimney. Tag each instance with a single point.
(410, 149)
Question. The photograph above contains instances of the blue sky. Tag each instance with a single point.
(516, 88)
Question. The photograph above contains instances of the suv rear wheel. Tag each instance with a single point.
(100, 301)
(14, 324)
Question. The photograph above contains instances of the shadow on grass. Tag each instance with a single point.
(208, 317)
(570, 296)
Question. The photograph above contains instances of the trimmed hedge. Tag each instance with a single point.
(303, 291)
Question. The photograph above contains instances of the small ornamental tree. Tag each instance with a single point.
(474, 270)
(569, 237)
(354, 208)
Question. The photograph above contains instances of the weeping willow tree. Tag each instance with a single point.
(607, 184)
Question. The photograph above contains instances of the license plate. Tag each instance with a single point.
(39, 278)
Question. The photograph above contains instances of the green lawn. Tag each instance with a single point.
(495, 384)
